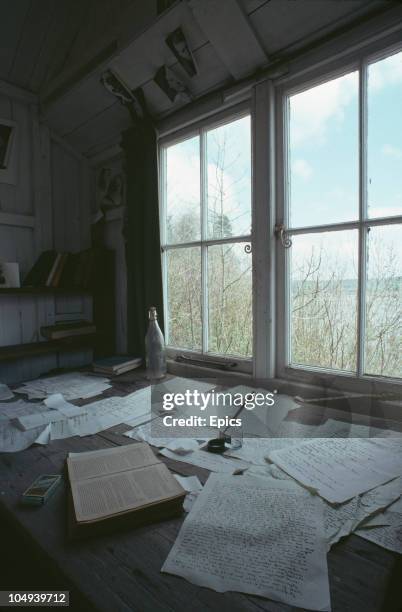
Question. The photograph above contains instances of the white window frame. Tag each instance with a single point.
(354, 381)
(234, 363)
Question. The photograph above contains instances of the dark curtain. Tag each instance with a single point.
(141, 231)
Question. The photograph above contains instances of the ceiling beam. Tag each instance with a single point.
(229, 31)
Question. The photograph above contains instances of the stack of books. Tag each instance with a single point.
(119, 364)
(68, 329)
(120, 487)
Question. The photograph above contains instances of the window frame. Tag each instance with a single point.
(358, 381)
(199, 128)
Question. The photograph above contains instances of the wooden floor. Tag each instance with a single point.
(121, 572)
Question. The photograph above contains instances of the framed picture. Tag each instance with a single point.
(8, 164)
(9, 275)
(168, 82)
(177, 43)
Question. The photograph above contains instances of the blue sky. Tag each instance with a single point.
(324, 149)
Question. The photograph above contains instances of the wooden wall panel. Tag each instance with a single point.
(48, 207)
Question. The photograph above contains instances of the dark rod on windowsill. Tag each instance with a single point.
(208, 364)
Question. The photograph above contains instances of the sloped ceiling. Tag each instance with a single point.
(59, 49)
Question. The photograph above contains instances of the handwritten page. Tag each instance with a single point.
(208, 461)
(30, 421)
(256, 450)
(338, 468)
(343, 519)
(72, 385)
(258, 536)
(103, 414)
(390, 536)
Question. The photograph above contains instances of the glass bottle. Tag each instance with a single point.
(155, 348)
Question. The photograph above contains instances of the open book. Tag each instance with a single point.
(124, 486)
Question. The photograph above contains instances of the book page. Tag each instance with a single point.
(98, 498)
(92, 464)
(337, 468)
(258, 536)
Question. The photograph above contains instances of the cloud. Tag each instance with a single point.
(385, 211)
(385, 72)
(391, 151)
(312, 111)
(302, 169)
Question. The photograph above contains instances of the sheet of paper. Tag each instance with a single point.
(155, 432)
(103, 414)
(338, 468)
(258, 536)
(389, 537)
(192, 485)
(19, 408)
(263, 419)
(31, 421)
(57, 402)
(72, 385)
(183, 446)
(13, 439)
(5, 393)
(189, 483)
(208, 461)
(345, 518)
(256, 450)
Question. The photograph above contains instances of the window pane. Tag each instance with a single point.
(184, 298)
(385, 137)
(230, 300)
(229, 179)
(323, 303)
(183, 191)
(384, 302)
(324, 153)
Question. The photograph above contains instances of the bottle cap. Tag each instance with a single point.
(153, 315)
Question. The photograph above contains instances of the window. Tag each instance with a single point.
(343, 213)
(205, 236)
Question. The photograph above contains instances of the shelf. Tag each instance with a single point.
(20, 351)
(42, 291)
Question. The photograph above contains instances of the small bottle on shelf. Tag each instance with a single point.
(155, 348)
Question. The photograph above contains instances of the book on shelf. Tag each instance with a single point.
(118, 364)
(68, 330)
(67, 270)
(120, 487)
(39, 273)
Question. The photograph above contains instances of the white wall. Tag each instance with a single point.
(47, 207)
